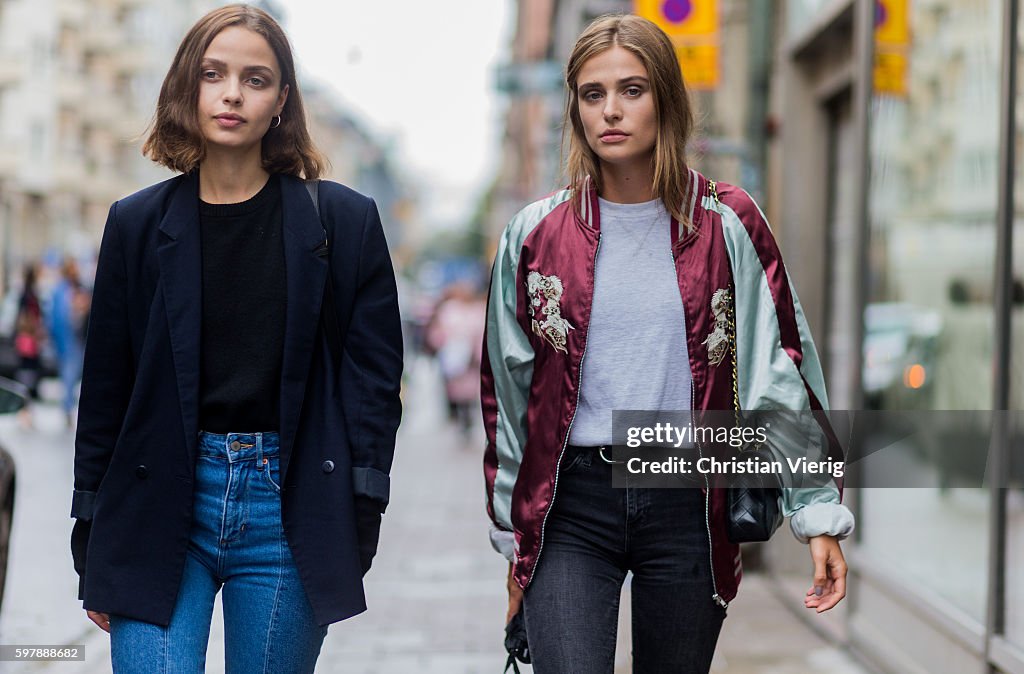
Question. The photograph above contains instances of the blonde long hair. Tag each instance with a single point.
(675, 117)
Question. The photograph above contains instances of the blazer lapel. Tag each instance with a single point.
(305, 256)
(179, 253)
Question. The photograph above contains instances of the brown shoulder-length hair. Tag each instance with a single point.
(671, 102)
(174, 137)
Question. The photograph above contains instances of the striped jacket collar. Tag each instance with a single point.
(589, 212)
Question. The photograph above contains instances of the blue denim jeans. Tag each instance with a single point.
(595, 534)
(238, 543)
(70, 367)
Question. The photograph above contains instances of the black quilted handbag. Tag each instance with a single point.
(754, 513)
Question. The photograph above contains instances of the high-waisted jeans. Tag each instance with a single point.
(238, 543)
(595, 534)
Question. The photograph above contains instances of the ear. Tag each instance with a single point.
(281, 99)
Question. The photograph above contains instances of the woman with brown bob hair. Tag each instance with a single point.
(240, 393)
(643, 285)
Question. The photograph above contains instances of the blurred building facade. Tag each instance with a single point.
(881, 140)
(360, 160)
(534, 81)
(79, 81)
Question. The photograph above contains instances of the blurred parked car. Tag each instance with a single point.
(900, 346)
(902, 343)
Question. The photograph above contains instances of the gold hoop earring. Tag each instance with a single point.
(278, 118)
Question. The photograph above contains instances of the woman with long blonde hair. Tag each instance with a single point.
(616, 294)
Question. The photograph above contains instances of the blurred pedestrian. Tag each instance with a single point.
(588, 271)
(455, 335)
(241, 388)
(69, 315)
(29, 334)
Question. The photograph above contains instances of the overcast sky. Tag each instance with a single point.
(420, 73)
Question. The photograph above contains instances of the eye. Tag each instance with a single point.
(592, 95)
(209, 74)
(257, 81)
(634, 91)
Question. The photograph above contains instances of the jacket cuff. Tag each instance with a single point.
(371, 483)
(504, 542)
(82, 504)
(817, 519)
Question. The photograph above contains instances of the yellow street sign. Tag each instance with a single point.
(692, 26)
(700, 65)
(890, 73)
(681, 18)
(892, 46)
(892, 25)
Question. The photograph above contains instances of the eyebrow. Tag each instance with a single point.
(624, 80)
(221, 64)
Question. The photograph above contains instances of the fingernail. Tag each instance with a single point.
(818, 590)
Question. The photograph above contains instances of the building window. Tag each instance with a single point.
(930, 319)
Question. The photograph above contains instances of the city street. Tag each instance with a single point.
(436, 591)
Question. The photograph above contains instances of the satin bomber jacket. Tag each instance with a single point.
(532, 361)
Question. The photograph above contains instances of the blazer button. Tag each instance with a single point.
(142, 472)
(328, 466)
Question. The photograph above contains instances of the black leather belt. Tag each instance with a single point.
(600, 450)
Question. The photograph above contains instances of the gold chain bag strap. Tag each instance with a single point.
(754, 512)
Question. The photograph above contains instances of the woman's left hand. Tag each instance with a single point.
(829, 586)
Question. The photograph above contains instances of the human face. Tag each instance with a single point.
(617, 108)
(239, 89)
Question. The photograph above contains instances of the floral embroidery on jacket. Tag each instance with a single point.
(544, 293)
(718, 342)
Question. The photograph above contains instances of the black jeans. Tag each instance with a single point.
(593, 536)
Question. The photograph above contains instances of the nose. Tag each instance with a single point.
(612, 112)
(232, 91)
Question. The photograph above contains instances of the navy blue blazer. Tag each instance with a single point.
(135, 449)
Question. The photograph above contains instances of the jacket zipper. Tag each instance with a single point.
(707, 519)
(717, 598)
(565, 443)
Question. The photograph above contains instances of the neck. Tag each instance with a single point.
(632, 184)
(229, 178)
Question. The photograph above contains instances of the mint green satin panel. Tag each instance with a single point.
(510, 353)
(768, 379)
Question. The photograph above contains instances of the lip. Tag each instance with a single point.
(229, 120)
(613, 136)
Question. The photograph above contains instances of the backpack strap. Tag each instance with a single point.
(313, 187)
(328, 309)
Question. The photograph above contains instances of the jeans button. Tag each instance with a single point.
(328, 466)
(142, 472)
(235, 446)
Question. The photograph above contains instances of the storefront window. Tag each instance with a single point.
(929, 322)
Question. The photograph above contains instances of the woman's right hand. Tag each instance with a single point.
(515, 596)
(102, 620)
